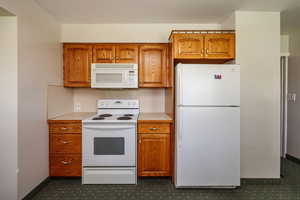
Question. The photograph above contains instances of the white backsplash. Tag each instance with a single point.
(151, 100)
(59, 100)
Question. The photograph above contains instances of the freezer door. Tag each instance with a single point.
(207, 85)
(207, 147)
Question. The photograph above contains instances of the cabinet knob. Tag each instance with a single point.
(206, 51)
(64, 128)
(66, 162)
(153, 129)
(65, 142)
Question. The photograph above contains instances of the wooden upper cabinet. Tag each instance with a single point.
(109, 53)
(77, 65)
(220, 46)
(204, 46)
(153, 65)
(103, 53)
(188, 46)
(154, 155)
(126, 53)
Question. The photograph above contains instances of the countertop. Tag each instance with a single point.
(154, 117)
(143, 117)
(74, 116)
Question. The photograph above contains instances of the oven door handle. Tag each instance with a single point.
(109, 127)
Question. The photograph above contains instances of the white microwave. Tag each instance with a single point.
(114, 75)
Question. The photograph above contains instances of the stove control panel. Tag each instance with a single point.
(118, 103)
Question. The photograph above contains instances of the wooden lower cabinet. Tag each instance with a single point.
(65, 149)
(154, 150)
(65, 165)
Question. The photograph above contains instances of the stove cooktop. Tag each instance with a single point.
(113, 117)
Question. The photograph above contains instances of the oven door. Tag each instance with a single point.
(109, 145)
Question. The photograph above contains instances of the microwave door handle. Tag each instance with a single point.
(125, 77)
(109, 127)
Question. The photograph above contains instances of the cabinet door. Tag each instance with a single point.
(154, 155)
(77, 65)
(153, 65)
(67, 165)
(220, 46)
(103, 53)
(126, 53)
(188, 46)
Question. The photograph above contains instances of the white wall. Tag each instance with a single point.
(293, 136)
(284, 45)
(8, 107)
(60, 101)
(258, 53)
(39, 62)
(126, 32)
(229, 23)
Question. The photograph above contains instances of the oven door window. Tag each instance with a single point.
(109, 146)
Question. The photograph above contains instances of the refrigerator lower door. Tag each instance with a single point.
(207, 147)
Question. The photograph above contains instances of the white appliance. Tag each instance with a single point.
(109, 143)
(207, 126)
(114, 75)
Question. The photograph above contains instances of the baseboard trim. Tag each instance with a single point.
(37, 189)
(292, 158)
(260, 181)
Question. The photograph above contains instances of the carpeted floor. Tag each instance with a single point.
(162, 189)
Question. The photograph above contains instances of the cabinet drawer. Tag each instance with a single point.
(67, 143)
(65, 165)
(65, 128)
(153, 128)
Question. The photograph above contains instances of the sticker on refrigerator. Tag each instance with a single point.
(216, 76)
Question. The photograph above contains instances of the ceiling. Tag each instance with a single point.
(4, 12)
(290, 20)
(155, 11)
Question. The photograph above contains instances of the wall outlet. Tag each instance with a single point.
(77, 107)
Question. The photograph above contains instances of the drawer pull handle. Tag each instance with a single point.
(153, 129)
(66, 162)
(64, 128)
(65, 142)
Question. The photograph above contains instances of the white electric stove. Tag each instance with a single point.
(109, 143)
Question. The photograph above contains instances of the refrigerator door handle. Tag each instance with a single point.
(179, 86)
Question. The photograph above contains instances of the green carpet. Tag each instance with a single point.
(162, 189)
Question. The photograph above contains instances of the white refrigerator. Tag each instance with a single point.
(207, 126)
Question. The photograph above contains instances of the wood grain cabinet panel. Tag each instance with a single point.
(64, 128)
(67, 143)
(65, 165)
(153, 65)
(77, 65)
(154, 155)
(65, 148)
(153, 128)
(220, 46)
(154, 149)
(188, 46)
(207, 46)
(103, 53)
(127, 53)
